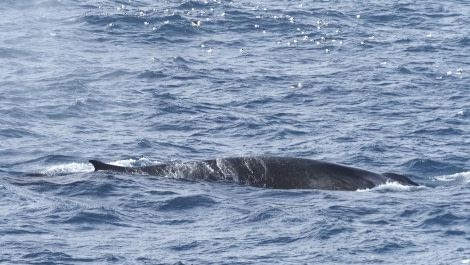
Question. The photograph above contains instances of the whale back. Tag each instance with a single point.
(294, 173)
(268, 172)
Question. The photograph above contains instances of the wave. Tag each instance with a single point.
(462, 178)
(393, 187)
(95, 216)
(187, 202)
(425, 166)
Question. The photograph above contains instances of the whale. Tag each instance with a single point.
(268, 172)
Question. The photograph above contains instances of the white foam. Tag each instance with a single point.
(68, 169)
(132, 162)
(392, 186)
(462, 176)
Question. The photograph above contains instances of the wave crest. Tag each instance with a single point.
(392, 186)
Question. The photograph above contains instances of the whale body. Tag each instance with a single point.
(269, 172)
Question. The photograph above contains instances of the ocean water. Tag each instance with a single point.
(379, 85)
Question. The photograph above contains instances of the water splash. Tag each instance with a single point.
(393, 187)
(462, 177)
(66, 169)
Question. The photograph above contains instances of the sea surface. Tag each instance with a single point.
(378, 85)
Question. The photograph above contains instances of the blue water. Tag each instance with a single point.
(379, 85)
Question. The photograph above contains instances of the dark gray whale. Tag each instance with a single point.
(269, 172)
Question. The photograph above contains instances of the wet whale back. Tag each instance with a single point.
(400, 179)
(306, 173)
(269, 172)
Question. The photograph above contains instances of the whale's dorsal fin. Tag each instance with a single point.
(103, 166)
(400, 178)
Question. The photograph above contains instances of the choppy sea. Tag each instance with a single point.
(379, 85)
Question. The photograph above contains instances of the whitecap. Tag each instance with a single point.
(463, 177)
(391, 186)
(298, 85)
